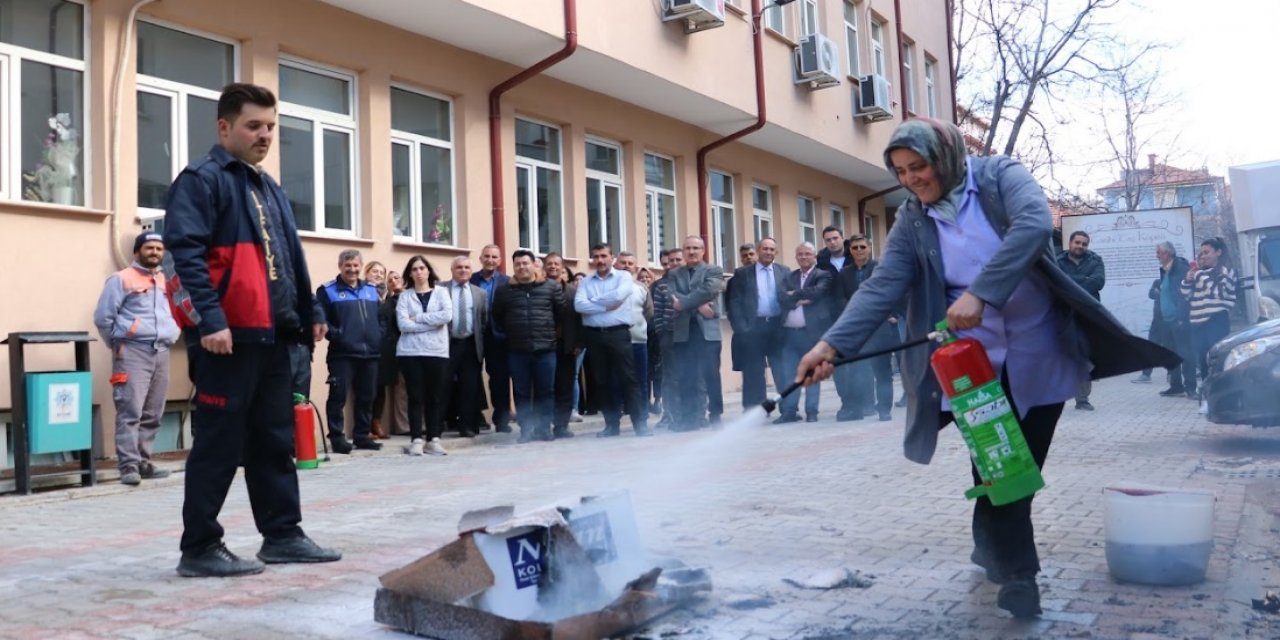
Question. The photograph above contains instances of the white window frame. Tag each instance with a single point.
(808, 17)
(808, 230)
(775, 19)
(532, 165)
(869, 230)
(718, 210)
(837, 216)
(879, 65)
(853, 53)
(908, 57)
(414, 141)
(177, 93)
(607, 180)
(328, 121)
(11, 58)
(762, 217)
(930, 90)
(653, 194)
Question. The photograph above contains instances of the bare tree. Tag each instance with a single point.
(1131, 100)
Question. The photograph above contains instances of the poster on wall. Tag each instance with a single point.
(1126, 241)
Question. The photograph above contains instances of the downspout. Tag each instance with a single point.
(951, 64)
(117, 95)
(495, 116)
(902, 48)
(862, 206)
(758, 44)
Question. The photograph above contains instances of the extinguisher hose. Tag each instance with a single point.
(772, 403)
(324, 442)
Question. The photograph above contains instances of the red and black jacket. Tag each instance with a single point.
(211, 229)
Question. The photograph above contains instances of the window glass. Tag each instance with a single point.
(155, 149)
(721, 187)
(182, 57)
(437, 194)
(549, 218)
(602, 157)
(202, 126)
(337, 180)
(51, 26)
(52, 134)
(659, 171)
(401, 190)
(297, 168)
(537, 141)
(419, 114)
(315, 90)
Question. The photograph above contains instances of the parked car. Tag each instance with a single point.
(1244, 377)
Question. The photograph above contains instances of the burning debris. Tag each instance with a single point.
(1270, 603)
(563, 572)
(833, 579)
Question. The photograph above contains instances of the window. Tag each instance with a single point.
(869, 230)
(775, 19)
(42, 97)
(851, 38)
(724, 240)
(808, 17)
(317, 146)
(808, 221)
(877, 47)
(422, 206)
(762, 211)
(538, 188)
(604, 194)
(660, 204)
(908, 77)
(930, 92)
(837, 217)
(180, 76)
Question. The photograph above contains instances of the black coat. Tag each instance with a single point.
(849, 280)
(818, 288)
(388, 370)
(527, 314)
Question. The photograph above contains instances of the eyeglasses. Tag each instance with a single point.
(859, 247)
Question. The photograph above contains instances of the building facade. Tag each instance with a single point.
(1161, 186)
(383, 139)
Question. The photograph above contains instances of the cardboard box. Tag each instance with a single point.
(573, 570)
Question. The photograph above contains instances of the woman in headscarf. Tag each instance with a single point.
(972, 246)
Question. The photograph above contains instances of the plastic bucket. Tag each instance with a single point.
(1157, 535)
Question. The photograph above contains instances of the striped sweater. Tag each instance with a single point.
(1210, 291)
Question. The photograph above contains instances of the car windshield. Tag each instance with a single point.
(1269, 259)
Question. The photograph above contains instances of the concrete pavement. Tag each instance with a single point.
(754, 503)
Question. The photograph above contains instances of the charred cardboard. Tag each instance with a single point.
(550, 573)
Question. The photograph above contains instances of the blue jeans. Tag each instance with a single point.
(796, 343)
(577, 379)
(533, 377)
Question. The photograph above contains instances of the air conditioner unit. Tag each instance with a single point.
(817, 62)
(873, 98)
(695, 15)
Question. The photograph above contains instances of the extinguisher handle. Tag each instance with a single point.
(770, 404)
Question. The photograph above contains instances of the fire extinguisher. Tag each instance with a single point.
(986, 421)
(304, 433)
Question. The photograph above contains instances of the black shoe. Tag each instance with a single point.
(714, 420)
(526, 436)
(149, 471)
(1173, 392)
(340, 445)
(1193, 394)
(787, 418)
(468, 432)
(811, 418)
(609, 432)
(298, 548)
(885, 416)
(368, 444)
(1084, 405)
(902, 402)
(561, 433)
(544, 435)
(644, 432)
(504, 428)
(993, 574)
(217, 562)
(1021, 597)
(845, 415)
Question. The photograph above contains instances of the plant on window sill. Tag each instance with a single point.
(54, 179)
(441, 231)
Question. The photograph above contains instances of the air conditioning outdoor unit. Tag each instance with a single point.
(873, 98)
(696, 15)
(817, 62)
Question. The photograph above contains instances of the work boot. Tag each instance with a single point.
(297, 548)
(1021, 597)
(149, 471)
(340, 444)
(1173, 392)
(217, 562)
(130, 476)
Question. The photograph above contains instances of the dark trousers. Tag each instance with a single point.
(1176, 335)
(300, 365)
(243, 414)
(533, 375)
(796, 343)
(613, 367)
(762, 350)
(465, 382)
(873, 383)
(361, 375)
(495, 364)
(1204, 335)
(669, 389)
(1005, 533)
(563, 389)
(426, 380)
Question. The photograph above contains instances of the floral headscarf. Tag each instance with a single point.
(941, 145)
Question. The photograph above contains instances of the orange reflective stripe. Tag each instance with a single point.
(119, 378)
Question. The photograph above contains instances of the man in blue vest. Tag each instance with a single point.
(350, 307)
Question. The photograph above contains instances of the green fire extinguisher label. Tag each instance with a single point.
(1000, 452)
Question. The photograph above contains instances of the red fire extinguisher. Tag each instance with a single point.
(304, 433)
(986, 421)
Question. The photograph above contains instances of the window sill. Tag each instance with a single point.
(855, 80)
(415, 244)
(736, 9)
(781, 38)
(46, 210)
(335, 239)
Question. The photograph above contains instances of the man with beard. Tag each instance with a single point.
(1087, 270)
(526, 310)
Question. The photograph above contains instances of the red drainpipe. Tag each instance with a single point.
(862, 206)
(902, 47)
(951, 65)
(703, 201)
(495, 116)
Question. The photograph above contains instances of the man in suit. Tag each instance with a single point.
(737, 344)
(569, 345)
(804, 301)
(466, 346)
(696, 335)
(756, 318)
(495, 355)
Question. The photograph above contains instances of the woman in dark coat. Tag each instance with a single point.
(971, 245)
(390, 383)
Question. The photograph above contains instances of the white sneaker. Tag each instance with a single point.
(1204, 407)
(435, 449)
(575, 417)
(415, 448)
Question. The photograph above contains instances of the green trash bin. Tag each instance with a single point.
(59, 411)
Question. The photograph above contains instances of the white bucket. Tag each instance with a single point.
(1158, 535)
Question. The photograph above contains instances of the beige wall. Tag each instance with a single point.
(63, 254)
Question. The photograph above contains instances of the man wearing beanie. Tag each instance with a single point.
(134, 319)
